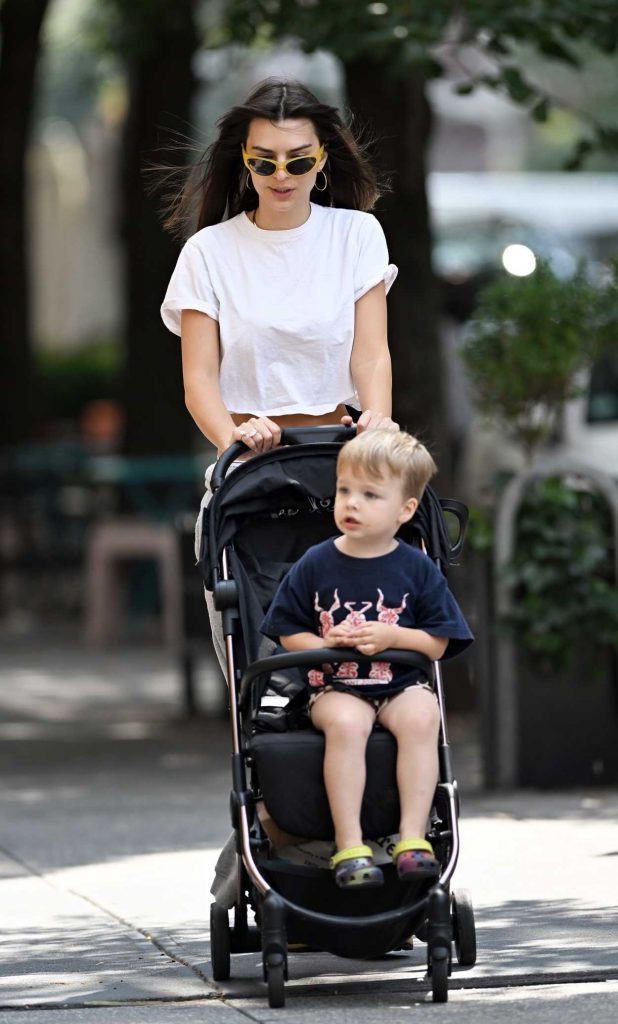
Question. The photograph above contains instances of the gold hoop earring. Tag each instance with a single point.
(324, 186)
(248, 183)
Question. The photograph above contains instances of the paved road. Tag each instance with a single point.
(113, 809)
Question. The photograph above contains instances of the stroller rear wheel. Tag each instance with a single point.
(220, 942)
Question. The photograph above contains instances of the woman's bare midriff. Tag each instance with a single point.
(297, 419)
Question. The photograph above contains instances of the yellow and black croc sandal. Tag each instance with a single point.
(415, 858)
(353, 868)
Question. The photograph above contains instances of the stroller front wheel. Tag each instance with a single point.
(275, 979)
(439, 977)
(220, 942)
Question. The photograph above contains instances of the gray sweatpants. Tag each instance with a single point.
(224, 885)
(213, 615)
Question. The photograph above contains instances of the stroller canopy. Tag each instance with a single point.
(290, 489)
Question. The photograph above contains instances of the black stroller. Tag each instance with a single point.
(262, 517)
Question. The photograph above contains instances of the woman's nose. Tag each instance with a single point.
(280, 174)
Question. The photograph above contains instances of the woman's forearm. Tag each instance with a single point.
(204, 402)
(374, 383)
(200, 372)
(370, 363)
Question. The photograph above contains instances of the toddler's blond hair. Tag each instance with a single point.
(379, 452)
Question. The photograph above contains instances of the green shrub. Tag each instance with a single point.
(562, 575)
(68, 379)
(529, 342)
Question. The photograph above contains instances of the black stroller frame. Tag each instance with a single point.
(428, 909)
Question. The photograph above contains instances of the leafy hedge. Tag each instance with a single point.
(67, 379)
(562, 575)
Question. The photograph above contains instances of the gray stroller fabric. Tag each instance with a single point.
(223, 887)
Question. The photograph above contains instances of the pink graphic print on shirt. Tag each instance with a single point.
(390, 615)
(327, 621)
(356, 618)
(380, 671)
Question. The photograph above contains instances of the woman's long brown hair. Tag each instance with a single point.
(215, 186)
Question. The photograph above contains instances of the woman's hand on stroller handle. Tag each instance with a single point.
(288, 436)
(257, 433)
(369, 420)
(260, 434)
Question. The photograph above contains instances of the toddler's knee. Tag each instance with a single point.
(428, 719)
(421, 717)
(344, 728)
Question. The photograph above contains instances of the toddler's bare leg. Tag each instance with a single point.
(346, 722)
(414, 720)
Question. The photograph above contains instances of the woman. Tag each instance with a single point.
(280, 296)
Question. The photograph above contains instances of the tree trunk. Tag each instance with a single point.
(398, 114)
(161, 86)
(20, 27)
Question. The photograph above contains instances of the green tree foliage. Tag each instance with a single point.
(132, 29)
(530, 340)
(436, 36)
(561, 575)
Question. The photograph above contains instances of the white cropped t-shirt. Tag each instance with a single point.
(284, 301)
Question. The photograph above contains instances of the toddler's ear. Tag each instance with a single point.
(408, 510)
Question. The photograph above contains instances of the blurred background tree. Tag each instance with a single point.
(20, 29)
(155, 41)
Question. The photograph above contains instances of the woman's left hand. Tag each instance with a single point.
(369, 420)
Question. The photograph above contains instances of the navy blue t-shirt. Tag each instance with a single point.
(404, 588)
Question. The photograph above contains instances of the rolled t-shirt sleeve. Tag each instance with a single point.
(436, 612)
(190, 287)
(372, 264)
(291, 609)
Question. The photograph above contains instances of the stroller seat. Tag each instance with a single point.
(290, 768)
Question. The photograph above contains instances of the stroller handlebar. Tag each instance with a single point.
(319, 655)
(333, 433)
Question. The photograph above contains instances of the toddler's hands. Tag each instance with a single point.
(338, 636)
(373, 637)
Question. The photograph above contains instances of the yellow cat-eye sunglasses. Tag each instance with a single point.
(296, 165)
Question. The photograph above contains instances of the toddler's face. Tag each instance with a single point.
(369, 509)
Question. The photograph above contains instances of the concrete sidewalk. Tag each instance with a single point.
(113, 812)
